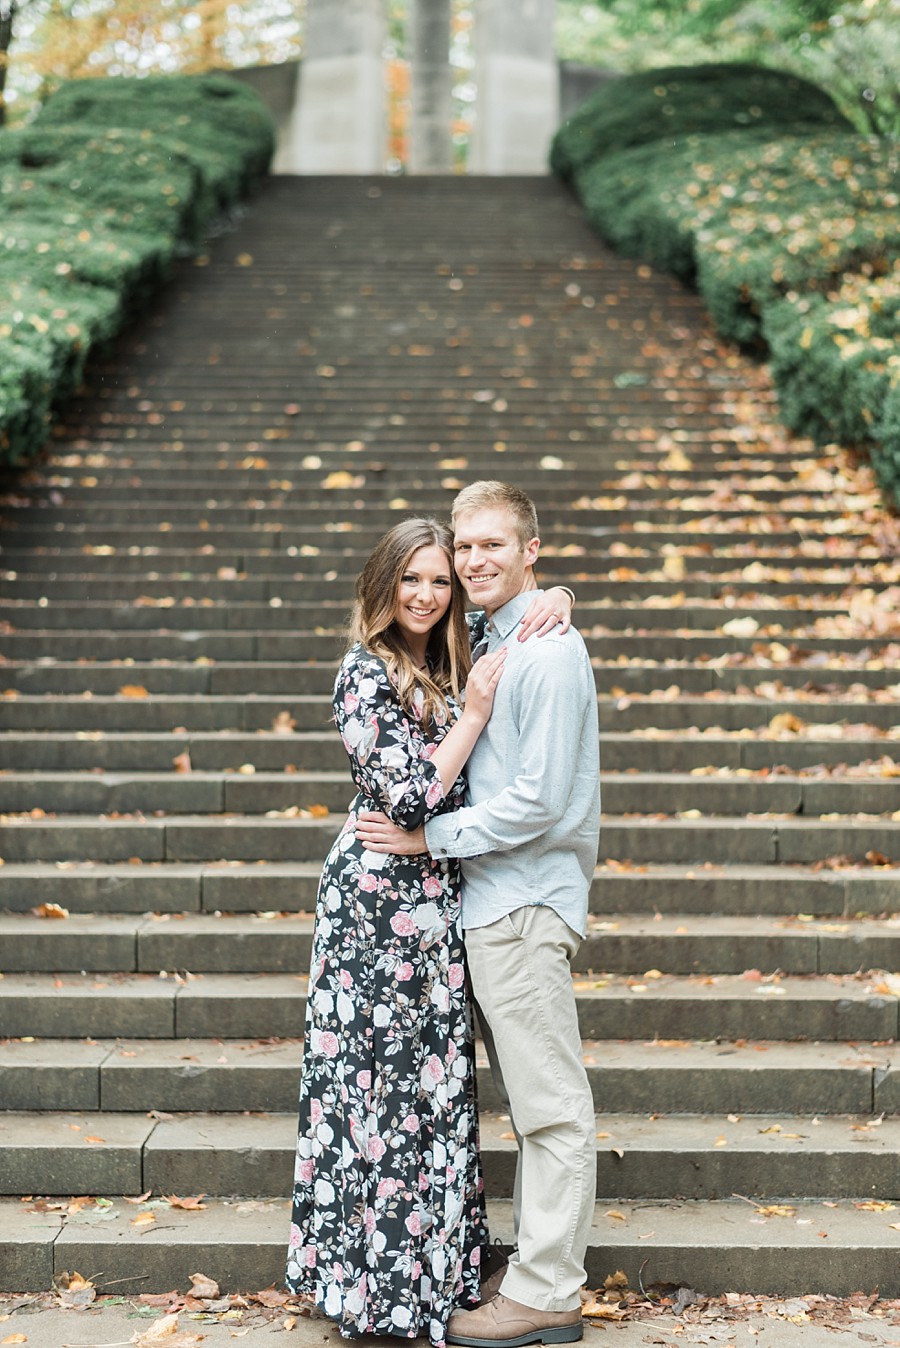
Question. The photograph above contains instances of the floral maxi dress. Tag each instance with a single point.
(388, 1216)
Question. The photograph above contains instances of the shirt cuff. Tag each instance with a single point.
(440, 835)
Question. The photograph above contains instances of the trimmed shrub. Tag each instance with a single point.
(683, 101)
(762, 224)
(215, 123)
(837, 365)
(95, 199)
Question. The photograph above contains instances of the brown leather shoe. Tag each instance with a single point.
(491, 1285)
(494, 1264)
(504, 1323)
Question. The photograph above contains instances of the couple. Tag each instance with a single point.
(388, 1230)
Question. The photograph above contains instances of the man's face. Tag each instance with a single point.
(489, 559)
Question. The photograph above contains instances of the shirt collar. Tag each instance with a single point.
(510, 614)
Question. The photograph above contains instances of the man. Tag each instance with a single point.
(527, 837)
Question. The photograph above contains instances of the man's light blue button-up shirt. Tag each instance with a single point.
(529, 830)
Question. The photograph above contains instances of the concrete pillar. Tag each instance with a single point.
(430, 147)
(338, 123)
(517, 75)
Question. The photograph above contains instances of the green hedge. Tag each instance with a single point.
(95, 199)
(836, 361)
(755, 220)
(685, 101)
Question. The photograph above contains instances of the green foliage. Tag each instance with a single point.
(849, 47)
(837, 365)
(94, 202)
(670, 105)
(767, 227)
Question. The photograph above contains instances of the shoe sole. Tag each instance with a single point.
(563, 1334)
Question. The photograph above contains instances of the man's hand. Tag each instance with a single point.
(377, 834)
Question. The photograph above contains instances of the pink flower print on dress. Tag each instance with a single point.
(327, 1043)
(377, 1147)
(411, 1123)
(403, 925)
(456, 976)
(432, 1072)
(386, 1188)
(404, 972)
(368, 882)
(295, 1239)
(413, 1224)
(432, 886)
(304, 1171)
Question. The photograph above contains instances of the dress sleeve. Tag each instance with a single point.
(476, 621)
(386, 760)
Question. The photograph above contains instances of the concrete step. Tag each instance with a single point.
(276, 942)
(805, 750)
(206, 676)
(745, 558)
(779, 1156)
(642, 839)
(327, 645)
(89, 887)
(132, 709)
(731, 1245)
(200, 589)
(180, 1004)
(721, 792)
(655, 1076)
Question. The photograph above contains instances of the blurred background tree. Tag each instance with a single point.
(850, 47)
(48, 41)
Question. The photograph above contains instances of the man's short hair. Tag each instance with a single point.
(488, 495)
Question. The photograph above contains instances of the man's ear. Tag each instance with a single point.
(531, 550)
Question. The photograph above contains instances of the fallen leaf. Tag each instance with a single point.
(204, 1287)
(53, 910)
(166, 1332)
(133, 690)
(187, 1204)
(182, 762)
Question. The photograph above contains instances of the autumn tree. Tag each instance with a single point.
(850, 47)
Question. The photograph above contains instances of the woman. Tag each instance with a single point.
(388, 1219)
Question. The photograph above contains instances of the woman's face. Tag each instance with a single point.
(424, 592)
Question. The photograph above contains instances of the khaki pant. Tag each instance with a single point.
(522, 984)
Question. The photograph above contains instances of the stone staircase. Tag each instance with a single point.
(174, 578)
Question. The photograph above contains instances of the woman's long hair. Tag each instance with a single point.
(373, 620)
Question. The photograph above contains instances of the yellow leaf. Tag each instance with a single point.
(133, 690)
(616, 1215)
(53, 910)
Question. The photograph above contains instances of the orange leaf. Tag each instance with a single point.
(50, 910)
(133, 690)
(188, 1204)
